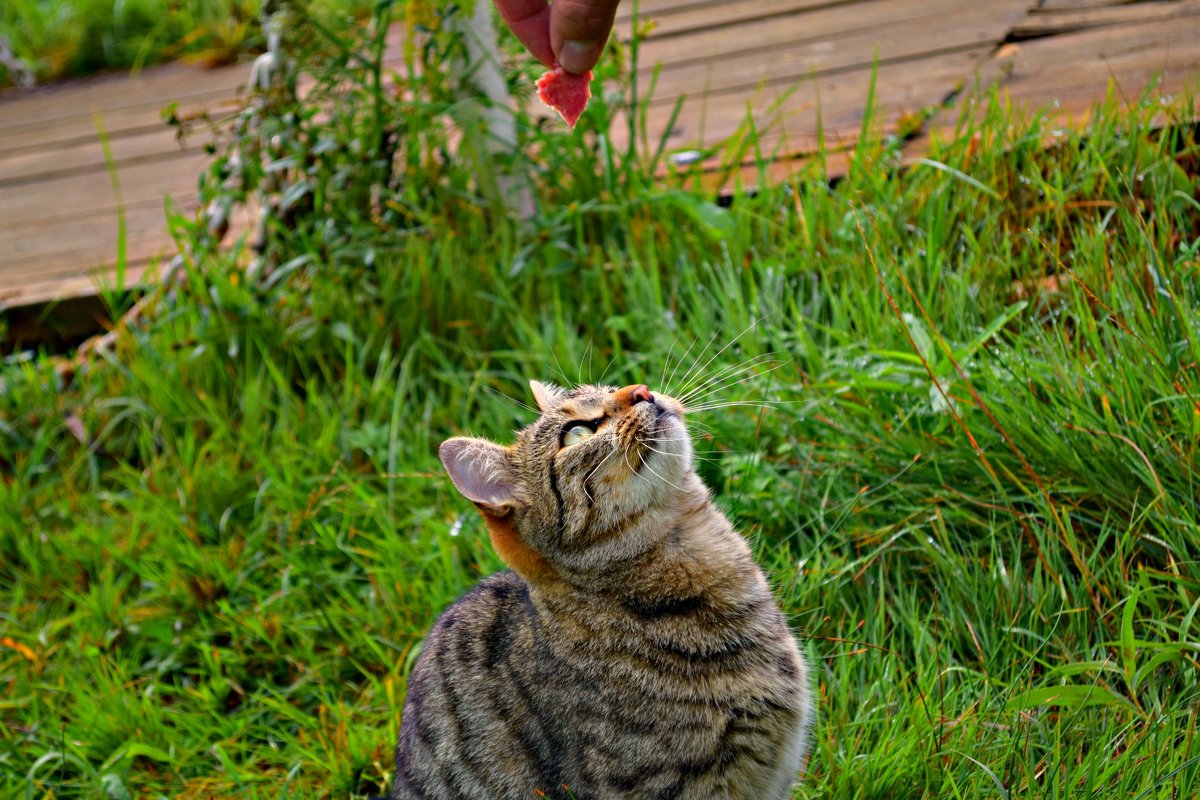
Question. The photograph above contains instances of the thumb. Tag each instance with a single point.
(579, 30)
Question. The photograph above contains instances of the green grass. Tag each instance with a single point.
(56, 39)
(973, 479)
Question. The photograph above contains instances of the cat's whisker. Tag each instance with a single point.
(697, 427)
(499, 393)
(749, 404)
(720, 379)
(688, 438)
(679, 363)
(678, 455)
(731, 383)
(653, 471)
(612, 452)
(596, 469)
(625, 453)
(728, 367)
(607, 367)
(667, 362)
(566, 382)
(657, 440)
(725, 378)
(587, 354)
(696, 456)
(730, 343)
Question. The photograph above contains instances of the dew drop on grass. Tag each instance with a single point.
(456, 527)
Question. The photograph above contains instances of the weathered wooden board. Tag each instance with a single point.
(72, 195)
(1162, 56)
(899, 30)
(658, 7)
(791, 118)
(1052, 5)
(68, 241)
(1042, 22)
(1128, 55)
(817, 82)
(154, 87)
(82, 284)
(81, 128)
(692, 17)
(827, 27)
(794, 66)
(40, 164)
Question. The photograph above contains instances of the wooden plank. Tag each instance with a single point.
(47, 242)
(154, 87)
(83, 285)
(834, 103)
(701, 16)
(26, 166)
(1041, 23)
(1074, 5)
(47, 263)
(763, 41)
(648, 8)
(1129, 52)
(134, 119)
(1031, 77)
(52, 235)
(81, 127)
(73, 195)
(901, 31)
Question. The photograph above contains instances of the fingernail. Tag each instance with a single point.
(577, 57)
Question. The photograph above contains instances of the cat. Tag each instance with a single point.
(634, 649)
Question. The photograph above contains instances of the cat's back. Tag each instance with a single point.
(465, 697)
(511, 695)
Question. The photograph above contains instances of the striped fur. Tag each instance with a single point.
(635, 650)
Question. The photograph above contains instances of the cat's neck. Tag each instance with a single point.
(697, 559)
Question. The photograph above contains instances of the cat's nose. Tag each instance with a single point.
(630, 396)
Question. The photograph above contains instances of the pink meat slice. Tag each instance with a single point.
(565, 92)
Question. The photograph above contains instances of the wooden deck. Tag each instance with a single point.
(793, 63)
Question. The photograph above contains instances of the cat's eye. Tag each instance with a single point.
(576, 434)
(577, 430)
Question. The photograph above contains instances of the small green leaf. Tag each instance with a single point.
(1128, 643)
(1068, 696)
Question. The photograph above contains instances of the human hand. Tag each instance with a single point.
(571, 33)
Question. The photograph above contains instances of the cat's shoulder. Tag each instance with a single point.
(501, 590)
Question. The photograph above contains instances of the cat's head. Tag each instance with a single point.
(566, 496)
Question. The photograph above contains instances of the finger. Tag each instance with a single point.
(579, 30)
(529, 20)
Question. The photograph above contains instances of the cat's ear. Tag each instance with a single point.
(544, 394)
(481, 471)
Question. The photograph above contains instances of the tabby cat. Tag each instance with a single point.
(635, 649)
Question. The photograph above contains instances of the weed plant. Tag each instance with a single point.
(968, 458)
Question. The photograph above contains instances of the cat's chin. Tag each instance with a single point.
(669, 459)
